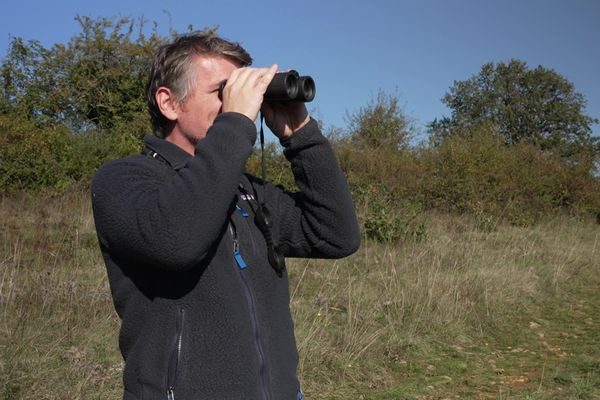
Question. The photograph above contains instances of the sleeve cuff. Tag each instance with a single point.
(235, 122)
(302, 135)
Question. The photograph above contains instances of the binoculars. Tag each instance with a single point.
(287, 87)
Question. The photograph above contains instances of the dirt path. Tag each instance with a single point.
(558, 356)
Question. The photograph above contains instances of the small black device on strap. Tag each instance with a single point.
(262, 220)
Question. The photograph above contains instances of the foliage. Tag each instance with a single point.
(388, 223)
(28, 157)
(381, 123)
(479, 174)
(475, 174)
(277, 168)
(95, 81)
(537, 106)
(36, 157)
(67, 109)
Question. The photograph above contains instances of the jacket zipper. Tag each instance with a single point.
(262, 361)
(175, 357)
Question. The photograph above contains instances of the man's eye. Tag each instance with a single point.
(220, 89)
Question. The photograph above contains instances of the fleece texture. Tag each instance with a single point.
(194, 324)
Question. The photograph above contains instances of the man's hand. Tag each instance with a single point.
(284, 120)
(245, 88)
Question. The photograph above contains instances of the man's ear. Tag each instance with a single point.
(166, 103)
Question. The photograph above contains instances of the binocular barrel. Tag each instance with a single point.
(290, 87)
(287, 87)
(306, 90)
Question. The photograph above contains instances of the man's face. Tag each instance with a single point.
(198, 112)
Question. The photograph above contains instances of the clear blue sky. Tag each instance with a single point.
(354, 48)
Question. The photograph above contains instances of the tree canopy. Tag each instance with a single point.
(66, 109)
(538, 106)
(382, 122)
(95, 81)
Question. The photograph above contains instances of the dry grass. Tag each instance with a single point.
(58, 326)
(374, 325)
(376, 320)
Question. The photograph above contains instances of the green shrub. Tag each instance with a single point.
(277, 167)
(28, 155)
(478, 173)
(34, 157)
(386, 223)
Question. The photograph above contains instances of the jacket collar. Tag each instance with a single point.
(169, 152)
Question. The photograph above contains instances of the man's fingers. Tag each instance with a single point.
(271, 72)
(252, 76)
(245, 90)
(259, 78)
(268, 75)
(240, 76)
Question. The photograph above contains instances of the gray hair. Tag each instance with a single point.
(173, 64)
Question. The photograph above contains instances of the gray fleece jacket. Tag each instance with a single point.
(198, 323)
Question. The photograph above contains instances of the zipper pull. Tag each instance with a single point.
(238, 256)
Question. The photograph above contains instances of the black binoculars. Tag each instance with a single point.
(287, 87)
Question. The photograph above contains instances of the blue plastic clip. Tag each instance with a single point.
(239, 259)
(242, 211)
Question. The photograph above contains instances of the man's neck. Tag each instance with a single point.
(182, 141)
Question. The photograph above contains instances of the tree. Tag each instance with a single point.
(538, 106)
(73, 105)
(381, 123)
(95, 81)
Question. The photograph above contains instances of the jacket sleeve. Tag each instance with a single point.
(319, 220)
(171, 219)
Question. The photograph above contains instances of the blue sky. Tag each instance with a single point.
(355, 48)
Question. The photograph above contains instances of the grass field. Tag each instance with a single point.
(469, 312)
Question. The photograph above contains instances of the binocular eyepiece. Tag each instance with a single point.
(287, 87)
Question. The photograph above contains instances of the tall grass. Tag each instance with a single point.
(360, 319)
(378, 320)
(58, 329)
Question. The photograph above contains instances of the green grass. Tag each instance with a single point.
(465, 312)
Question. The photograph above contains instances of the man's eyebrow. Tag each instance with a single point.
(218, 85)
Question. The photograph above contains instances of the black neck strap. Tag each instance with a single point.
(263, 166)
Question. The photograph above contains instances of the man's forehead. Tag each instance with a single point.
(215, 67)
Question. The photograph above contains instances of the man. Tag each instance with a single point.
(191, 263)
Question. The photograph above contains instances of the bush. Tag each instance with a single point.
(385, 222)
(478, 173)
(276, 166)
(474, 173)
(30, 156)
(36, 157)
